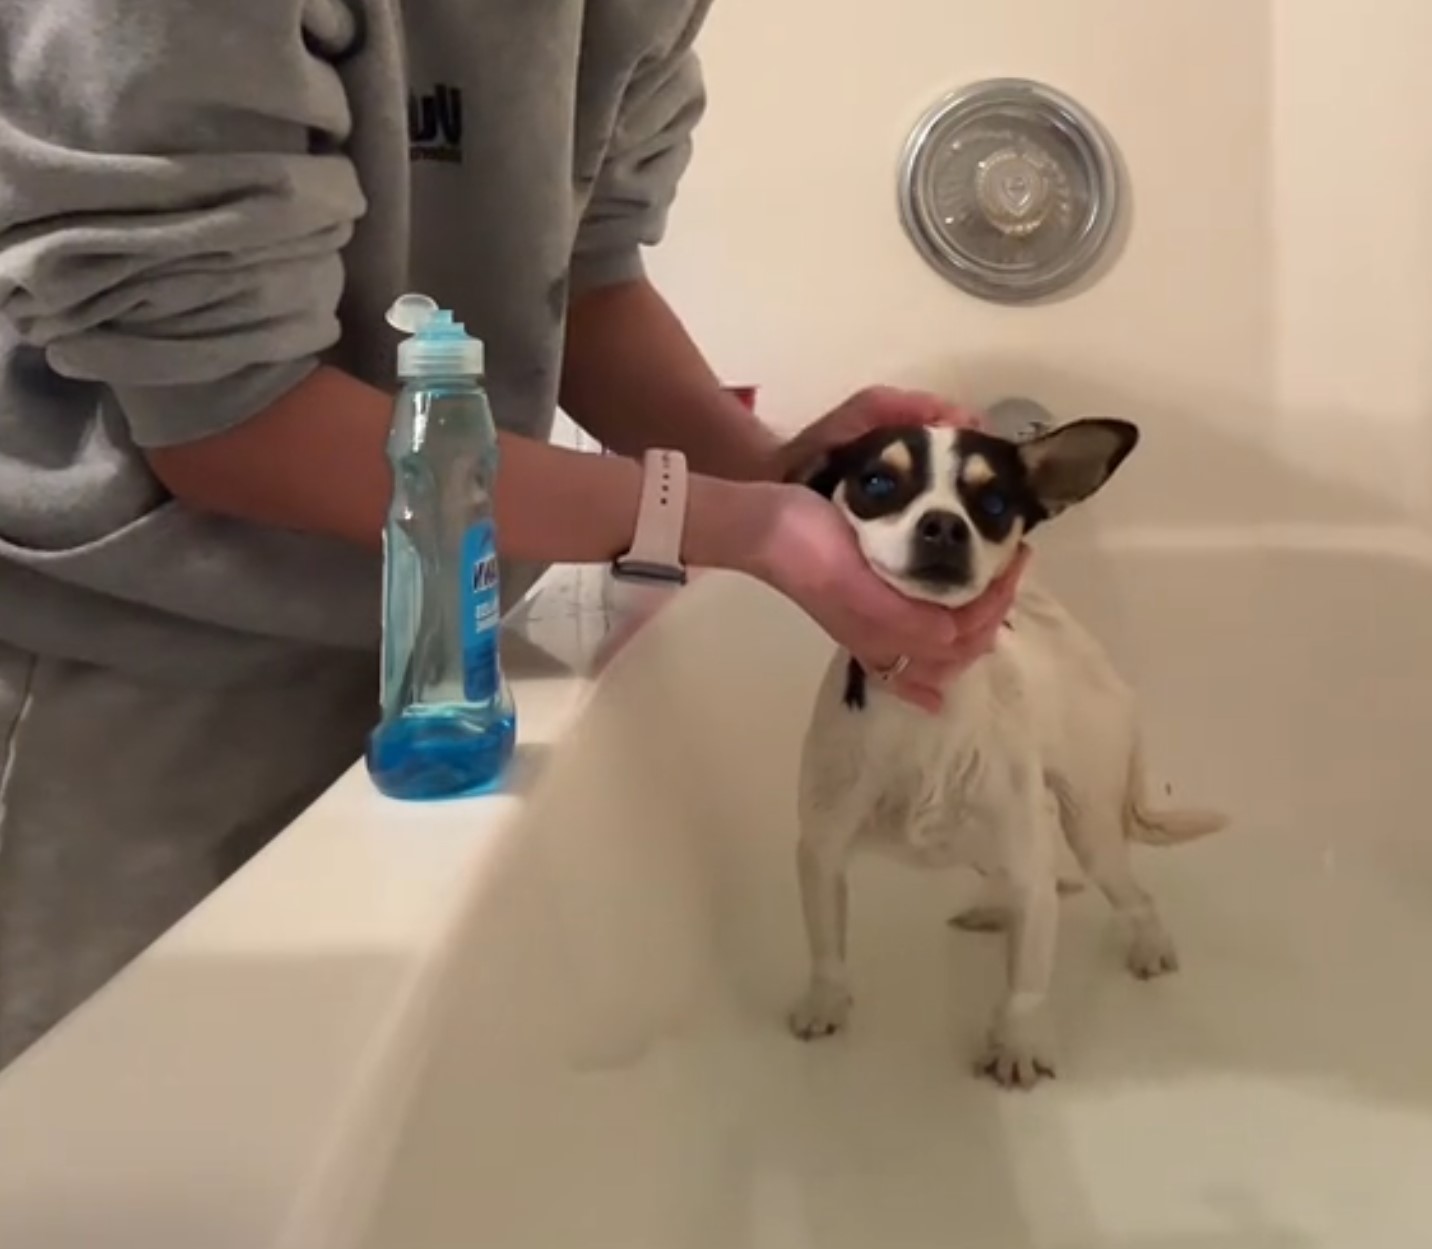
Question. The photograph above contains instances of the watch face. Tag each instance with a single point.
(1009, 190)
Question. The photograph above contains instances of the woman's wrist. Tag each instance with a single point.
(731, 525)
(765, 449)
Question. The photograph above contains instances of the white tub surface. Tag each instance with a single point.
(563, 1024)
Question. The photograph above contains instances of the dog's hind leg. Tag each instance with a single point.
(990, 911)
(1095, 823)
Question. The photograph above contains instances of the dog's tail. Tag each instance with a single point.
(1155, 826)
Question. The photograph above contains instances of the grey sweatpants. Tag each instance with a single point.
(123, 803)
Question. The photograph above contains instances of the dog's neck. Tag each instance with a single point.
(860, 684)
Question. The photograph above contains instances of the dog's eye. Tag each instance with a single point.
(993, 503)
(877, 484)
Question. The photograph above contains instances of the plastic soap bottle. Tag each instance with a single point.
(448, 723)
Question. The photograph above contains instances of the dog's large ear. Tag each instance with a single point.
(1068, 464)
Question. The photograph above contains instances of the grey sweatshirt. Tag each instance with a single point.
(201, 201)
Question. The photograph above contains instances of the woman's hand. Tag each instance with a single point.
(868, 409)
(798, 543)
(813, 558)
(809, 553)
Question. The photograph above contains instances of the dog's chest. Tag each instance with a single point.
(944, 806)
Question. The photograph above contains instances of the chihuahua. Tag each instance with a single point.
(1035, 751)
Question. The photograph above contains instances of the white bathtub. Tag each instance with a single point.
(556, 1018)
(609, 1066)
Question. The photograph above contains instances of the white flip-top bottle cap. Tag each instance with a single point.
(439, 346)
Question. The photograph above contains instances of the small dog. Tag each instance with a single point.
(1037, 741)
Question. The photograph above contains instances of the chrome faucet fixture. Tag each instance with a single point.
(1010, 190)
(1018, 418)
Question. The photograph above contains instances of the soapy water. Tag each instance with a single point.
(446, 750)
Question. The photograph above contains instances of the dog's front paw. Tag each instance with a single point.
(1018, 1054)
(1151, 952)
(823, 1011)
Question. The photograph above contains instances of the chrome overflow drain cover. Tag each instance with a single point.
(1010, 190)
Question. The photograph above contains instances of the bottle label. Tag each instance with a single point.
(481, 615)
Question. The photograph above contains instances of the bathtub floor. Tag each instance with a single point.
(1276, 1094)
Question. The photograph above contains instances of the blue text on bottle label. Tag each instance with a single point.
(481, 614)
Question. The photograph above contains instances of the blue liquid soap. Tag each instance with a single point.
(448, 723)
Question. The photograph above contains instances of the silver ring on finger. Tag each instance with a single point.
(893, 669)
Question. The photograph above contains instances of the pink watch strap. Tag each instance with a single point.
(655, 553)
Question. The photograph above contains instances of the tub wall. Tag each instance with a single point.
(1294, 373)
(1352, 160)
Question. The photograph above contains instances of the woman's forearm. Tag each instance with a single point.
(315, 461)
(560, 506)
(634, 379)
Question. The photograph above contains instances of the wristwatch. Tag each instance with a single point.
(655, 554)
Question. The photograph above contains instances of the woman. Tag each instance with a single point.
(204, 211)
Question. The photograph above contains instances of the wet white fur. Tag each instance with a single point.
(1035, 753)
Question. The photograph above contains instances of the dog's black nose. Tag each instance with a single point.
(943, 531)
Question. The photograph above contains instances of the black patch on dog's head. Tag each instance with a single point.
(882, 471)
(993, 485)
